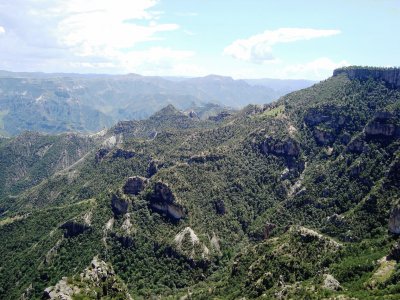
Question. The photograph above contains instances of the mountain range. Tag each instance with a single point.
(293, 199)
(56, 103)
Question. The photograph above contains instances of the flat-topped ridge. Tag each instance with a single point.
(390, 75)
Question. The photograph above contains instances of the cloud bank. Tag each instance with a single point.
(50, 35)
(258, 48)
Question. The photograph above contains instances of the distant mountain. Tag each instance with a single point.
(282, 85)
(55, 103)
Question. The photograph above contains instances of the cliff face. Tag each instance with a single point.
(390, 76)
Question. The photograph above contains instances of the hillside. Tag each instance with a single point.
(57, 103)
(296, 199)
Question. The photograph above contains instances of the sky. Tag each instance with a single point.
(242, 39)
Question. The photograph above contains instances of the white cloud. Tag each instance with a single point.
(317, 69)
(2, 30)
(102, 27)
(79, 35)
(258, 48)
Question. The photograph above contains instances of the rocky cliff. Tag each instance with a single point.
(390, 76)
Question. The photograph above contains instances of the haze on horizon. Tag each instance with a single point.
(242, 39)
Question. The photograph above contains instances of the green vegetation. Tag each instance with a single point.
(275, 201)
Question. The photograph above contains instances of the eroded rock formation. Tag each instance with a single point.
(74, 228)
(118, 205)
(390, 76)
(286, 147)
(394, 220)
(163, 200)
(135, 185)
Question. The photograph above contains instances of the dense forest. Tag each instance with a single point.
(295, 199)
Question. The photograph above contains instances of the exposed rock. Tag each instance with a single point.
(118, 205)
(395, 252)
(74, 228)
(193, 115)
(285, 174)
(268, 229)
(357, 145)
(162, 193)
(188, 244)
(125, 126)
(204, 158)
(394, 220)
(308, 235)
(109, 142)
(390, 76)
(382, 274)
(323, 137)
(287, 147)
(383, 126)
(331, 283)
(135, 185)
(378, 129)
(220, 207)
(98, 281)
(214, 242)
(153, 167)
(121, 153)
(163, 200)
(383, 116)
(220, 117)
(127, 226)
(62, 290)
(173, 211)
(315, 117)
(52, 252)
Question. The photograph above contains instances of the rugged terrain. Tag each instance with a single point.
(297, 199)
(56, 103)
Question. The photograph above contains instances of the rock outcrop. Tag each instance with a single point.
(119, 205)
(395, 252)
(135, 185)
(62, 290)
(220, 117)
(121, 153)
(201, 159)
(101, 154)
(315, 117)
(74, 228)
(187, 243)
(287, 147)
(163, 200)
(391, 76)
(394, 220)
(323, 137)
(356, 145)
(193, 115)
(331, 283)
(153, 167)
(95, 282)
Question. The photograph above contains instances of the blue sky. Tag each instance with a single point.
(242, 39)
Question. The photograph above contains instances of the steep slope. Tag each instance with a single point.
(30, 158)
(288, 200)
